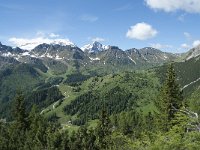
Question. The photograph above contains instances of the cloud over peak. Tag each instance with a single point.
(196, 43)
(31, 43)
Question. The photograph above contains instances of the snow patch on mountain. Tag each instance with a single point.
(131, 59)
(94, 58)
(8, 54)
(26, 54)
(57, 57)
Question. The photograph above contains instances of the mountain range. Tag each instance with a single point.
(95, 54)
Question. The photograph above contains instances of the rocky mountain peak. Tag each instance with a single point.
(94, 47)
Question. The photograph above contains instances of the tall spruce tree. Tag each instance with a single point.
(170, 99)
(20, 115)
(18, 128)
(104, 131)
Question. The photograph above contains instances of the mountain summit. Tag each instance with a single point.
(94, 47)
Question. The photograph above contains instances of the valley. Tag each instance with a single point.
(100, 75)
(67, 67)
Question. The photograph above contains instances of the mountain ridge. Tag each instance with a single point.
(194, 52)
(92, 54)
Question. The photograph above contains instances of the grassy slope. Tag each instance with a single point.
(129, 81)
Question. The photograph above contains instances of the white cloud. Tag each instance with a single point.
(30, 43)
(191, 6)
(98, 39)
(53, 35)
(141, 31)
(196, 43)
(188, 46)
(89, 18)
(160, 46)
(185, 46)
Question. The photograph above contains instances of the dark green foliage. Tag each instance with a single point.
(53, 118)
(98, 139)
(20, 125)
(35, 63)
(76, 79)
(34, 132)
(44, 97)
(55, 80)
(21, 76)
(89, 105)
(129, 123)
(56, 67)
(74, 107)
(103, 131)
(30, 131)
(129, 129)
(122, 92)
(20, 113)
(118, 99)
(170, 99)
(187, 72)
(4, 136)
(194, 101)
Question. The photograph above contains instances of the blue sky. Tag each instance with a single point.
(170, 25)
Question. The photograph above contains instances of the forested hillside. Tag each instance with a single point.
(172, 124)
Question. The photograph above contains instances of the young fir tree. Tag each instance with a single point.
(170, 99)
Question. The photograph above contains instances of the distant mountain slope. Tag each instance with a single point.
(188, 73)
(131, 59)
(194, 52)
(25, 78)
(149, 55)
